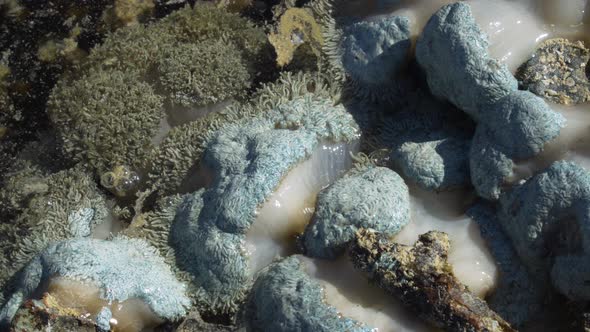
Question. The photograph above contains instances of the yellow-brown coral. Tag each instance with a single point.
(296, 27)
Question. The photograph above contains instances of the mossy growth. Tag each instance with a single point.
(45, 208)
(106, 118)
(185, 73)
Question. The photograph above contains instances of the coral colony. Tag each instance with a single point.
(318, 165)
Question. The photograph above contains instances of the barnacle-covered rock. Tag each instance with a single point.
(49, 208)
(453, 52)
(547, 218)
(122, 269)
(285, 298)
(185, 73)
(374, 197)
(373, 54)
(518, 295)
(512, 124)
(107, 118)
(429, 144)
(557, 72)
(422, 279)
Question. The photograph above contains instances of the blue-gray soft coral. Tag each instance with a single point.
(103, 319)
(374, 52)
(122, 269)
(373, 197)
(285, 298)
(453, 52)
(429, 144)
(518, 296)
(250, 158)
(512, 124)
(548, 221)
(515, 128)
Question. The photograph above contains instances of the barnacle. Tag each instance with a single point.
(121, 269)
(374, 197)
(106, 118)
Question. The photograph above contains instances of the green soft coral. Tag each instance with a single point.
(106, 118)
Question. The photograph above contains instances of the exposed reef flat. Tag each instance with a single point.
(318, 165)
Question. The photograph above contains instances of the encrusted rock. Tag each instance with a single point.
(557, 72)
(423, 280)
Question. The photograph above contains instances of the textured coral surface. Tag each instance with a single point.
(282, 165)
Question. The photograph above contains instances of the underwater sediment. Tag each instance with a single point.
(319, 165)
